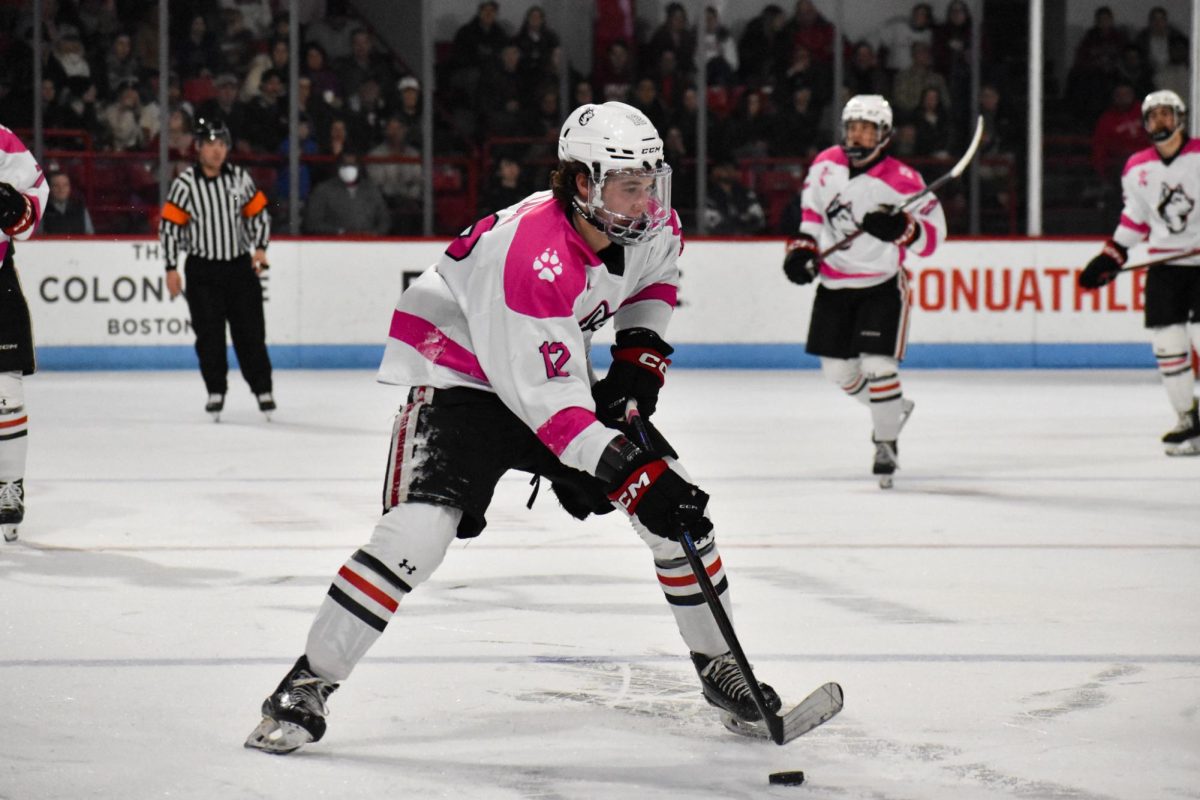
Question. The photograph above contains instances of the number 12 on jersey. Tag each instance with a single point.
(556, 355)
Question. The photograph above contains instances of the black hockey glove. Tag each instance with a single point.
(1105, 267)
(13, 206)
(897, 227)
(646, 487)
(639, 368)
(800, 263)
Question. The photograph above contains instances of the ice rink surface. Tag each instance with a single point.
(1019, 617)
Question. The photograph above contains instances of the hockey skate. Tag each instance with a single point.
(266, 404)
(215, 405)
(295, 714)
(886, 462)
(1184, 438)
(12, 507)
(725, 688)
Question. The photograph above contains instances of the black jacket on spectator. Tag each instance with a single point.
(70, 220)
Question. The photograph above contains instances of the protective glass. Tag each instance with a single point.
(631, 205)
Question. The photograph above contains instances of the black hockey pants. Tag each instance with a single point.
(220, 292)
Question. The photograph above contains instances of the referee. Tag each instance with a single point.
(217, 216)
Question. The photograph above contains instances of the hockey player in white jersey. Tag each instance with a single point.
(23, 194)
(1161, 186)
(494, 340)
(859, 324)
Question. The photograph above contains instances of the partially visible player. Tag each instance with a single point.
(495, 338)
(23, 193)
(859, 324)
(1161, 185)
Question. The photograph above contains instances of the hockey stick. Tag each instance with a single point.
(1163, 260)
(820, 706)
(954, 172)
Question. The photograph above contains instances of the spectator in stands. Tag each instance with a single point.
(119, 64)
(334, 142)
(1156, 38)
(645, 99)
(1176, 75)
(797, 127)
(78, 107)
(145, 34)
(67, 58)
(367, 113)
(1118, 135)
(181, 140)
(747, 132)
(1132, 69)
(283, 180)
(896, 37)
(732, 209)
(501, 94)
(720, 50)
(226, 106)
(99, 22)
(399, 182)
(324, 80)
(477, 46)
(266, 122)
(545, 119)
(65, 214)
(1001, 134)
(332, 32)
(312, 106)
(675, 35)
(276, 58)
(537, 43)
(363, 62)
(121, 119)
(349, 202)
(910, 84)
(410, 109)
(803, 72)
(952, 42)
(197, 53)
(583, 93)
(863, 73)
(1094, 73)
(763, 46)
(505, 188)
(683, 174)
(935, 133)
(236, 42)
(904, 139)
(256, 15)
(807, 28)
(669, 79)
(613, 77)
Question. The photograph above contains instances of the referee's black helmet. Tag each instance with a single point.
(209, 129)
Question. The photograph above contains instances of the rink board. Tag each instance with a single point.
(980, 303)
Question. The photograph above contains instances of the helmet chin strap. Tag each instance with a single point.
(862, 155)
(1162, 135)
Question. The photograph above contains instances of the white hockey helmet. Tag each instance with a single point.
(1163, 97)
(873, 108)
(622, 150)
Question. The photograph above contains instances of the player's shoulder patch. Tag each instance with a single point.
(545, 268)
(898, 175)
(832, 155)
(1146, 156)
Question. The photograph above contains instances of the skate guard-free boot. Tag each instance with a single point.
(1184, 438)
(726, 688)
(12, 507)
(294, 714)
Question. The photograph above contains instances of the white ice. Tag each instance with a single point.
(1019, 617)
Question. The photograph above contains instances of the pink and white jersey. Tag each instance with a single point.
(834, 203)
(18, 168)
(1160, 201)
(511, 307)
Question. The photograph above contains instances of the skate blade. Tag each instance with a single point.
(816, 709)
(216, 415)
(10, 533)
(278, 738)
(886, 482)
(1189, 448)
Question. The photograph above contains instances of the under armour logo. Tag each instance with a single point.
(404, 566)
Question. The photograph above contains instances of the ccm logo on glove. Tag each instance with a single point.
(631, 492)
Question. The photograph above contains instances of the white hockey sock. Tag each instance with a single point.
(1173, 352)
(886, 395)
(14, 427)
(408, 544)
(847, 373)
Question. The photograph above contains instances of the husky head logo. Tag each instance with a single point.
(1174, 206)
(586, 116)
(841, 216)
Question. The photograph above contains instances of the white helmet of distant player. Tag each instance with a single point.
(873, 108)
(629, 184)
(1163, 97)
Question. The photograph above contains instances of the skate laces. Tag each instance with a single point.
(309, 691)
(723, 673)
(11, 496)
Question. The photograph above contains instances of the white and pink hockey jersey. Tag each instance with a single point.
(1160, 201)
(833, 204)
(19, 169)
(511, 307)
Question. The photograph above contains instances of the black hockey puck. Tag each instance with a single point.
(792, 778)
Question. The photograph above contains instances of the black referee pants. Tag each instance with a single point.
(228, 292)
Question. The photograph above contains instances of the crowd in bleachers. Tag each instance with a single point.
(770, 96)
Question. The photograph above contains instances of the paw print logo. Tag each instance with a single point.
(547, 265)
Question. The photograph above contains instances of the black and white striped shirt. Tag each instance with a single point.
(217, 218)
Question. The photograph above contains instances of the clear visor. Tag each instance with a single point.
(631, 205)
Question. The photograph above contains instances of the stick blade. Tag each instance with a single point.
(816, 709)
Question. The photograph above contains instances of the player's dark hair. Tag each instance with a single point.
(562, 182)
